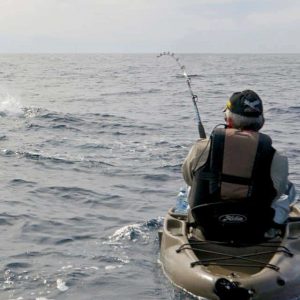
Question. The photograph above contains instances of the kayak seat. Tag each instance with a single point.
(232, 221)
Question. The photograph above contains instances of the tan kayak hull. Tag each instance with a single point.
(265, 283)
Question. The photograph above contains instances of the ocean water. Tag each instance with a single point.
(91, 147)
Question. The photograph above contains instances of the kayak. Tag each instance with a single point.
(215, 270)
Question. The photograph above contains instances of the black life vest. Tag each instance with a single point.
(232, 193)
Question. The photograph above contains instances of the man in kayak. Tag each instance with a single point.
(238, 180)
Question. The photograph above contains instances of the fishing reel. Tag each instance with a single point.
(228, 290)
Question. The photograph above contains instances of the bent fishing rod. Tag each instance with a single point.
(194, 97)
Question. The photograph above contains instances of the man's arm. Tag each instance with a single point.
(195, 159)
(279, 175)
(280, 172)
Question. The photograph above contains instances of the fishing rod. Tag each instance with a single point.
(194, 97)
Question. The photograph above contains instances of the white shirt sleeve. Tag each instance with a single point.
(279, 175)
(195, 159)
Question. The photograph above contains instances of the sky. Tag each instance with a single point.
(150, 26)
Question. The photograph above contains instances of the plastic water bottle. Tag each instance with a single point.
(181, 202)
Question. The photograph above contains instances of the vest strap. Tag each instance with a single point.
(216, 161)
(236, 179)
(224, 178)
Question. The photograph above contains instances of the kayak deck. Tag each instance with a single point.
(235, 260)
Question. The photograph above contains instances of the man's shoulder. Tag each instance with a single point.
(265, 137)
(280, 156)
(201, 144)
(202, 141)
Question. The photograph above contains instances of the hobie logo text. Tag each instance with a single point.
(233, 218)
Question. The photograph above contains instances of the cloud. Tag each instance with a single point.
(140, 25)
(239, 41)
(287, 17)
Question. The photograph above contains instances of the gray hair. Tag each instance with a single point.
(243, 122)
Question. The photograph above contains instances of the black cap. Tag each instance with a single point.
(246, 103)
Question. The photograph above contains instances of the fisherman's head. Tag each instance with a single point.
(244, 110)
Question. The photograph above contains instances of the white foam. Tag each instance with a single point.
(134, 232)
(110, 267)
(10, 105)
(126, 231)
(92, 268)
(61, 285)
(67, 267)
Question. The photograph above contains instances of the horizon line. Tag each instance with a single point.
(151, 53)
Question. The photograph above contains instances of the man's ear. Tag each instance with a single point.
(229, 122)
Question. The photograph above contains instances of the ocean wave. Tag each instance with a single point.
(68, 192)
(11, 219)
(17, 265)
(65, 127)
(44, 119)
(74, 239)
(132, 93)
(38, 157)
(110, 259)
(5, 221)
(84, 162)
(171, 167)
(94, 146)
(294, 109)
(287, 110)
(60, 117)
(31, 126)
(20, 182)
(157, 177)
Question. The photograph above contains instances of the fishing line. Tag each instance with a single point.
(194, 97)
